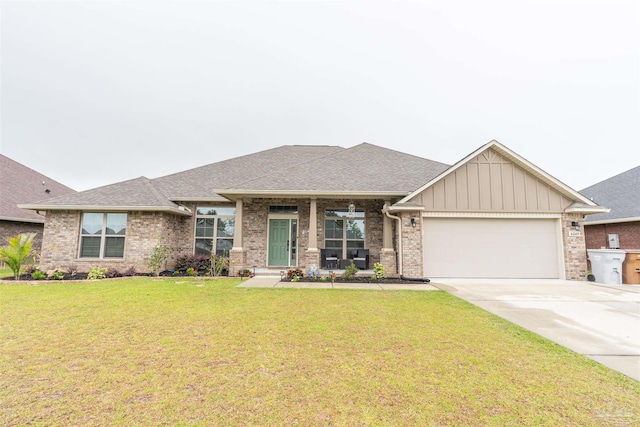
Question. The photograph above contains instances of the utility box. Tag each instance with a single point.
(631, 267)
(606, 265)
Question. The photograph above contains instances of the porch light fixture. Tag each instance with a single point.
(575, 225)
(413, 222)
(352, 210)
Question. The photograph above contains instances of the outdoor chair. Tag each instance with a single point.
(328, 259)
(361, 259)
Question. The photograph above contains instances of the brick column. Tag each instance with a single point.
(237, 254)
(388, 259)
(575, 249)
(312, 253)
(388, 255)
(412, 253)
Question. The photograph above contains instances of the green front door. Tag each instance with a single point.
(282, 242)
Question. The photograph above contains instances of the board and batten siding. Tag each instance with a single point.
(491, 182)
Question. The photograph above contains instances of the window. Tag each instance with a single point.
(102, 235)
(287, 210)
(344, 234)
(215, 225)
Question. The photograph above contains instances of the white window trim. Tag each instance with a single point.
(215, 227)
(344, 229)
(103, 236)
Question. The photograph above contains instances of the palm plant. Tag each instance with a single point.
(17, 253)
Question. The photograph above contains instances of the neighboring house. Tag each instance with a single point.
(621, 194)
(493, 214)
(18, 185)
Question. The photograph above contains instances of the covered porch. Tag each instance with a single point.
(273, 235)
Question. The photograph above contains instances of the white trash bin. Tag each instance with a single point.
(606, 265)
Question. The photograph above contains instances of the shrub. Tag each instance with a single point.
(72, 270)
(197, 262)
(350, 271)
(18, 253)
(378, 271)
(219, 265)
(97, 273)
(55, 274)
(30, 269)
(38, 275)
(191, 271)
(131, 271)
(294, 272)
(245, 272)
(112, 272)
(158, 259)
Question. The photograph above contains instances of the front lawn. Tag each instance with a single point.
(194, 351)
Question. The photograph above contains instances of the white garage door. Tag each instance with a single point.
(491, 248)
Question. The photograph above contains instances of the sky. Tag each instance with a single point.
(97, 92)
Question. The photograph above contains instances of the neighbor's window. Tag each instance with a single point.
(342, 233)
(215, 226)
(103, 235)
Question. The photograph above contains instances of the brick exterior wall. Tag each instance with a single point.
(575, 251)
(61, 237)
(146, 229)
(256, 223)
(412, 251)
(10, 229)
(61, 240)
(628, 232)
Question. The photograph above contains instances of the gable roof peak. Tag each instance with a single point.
(517, 160)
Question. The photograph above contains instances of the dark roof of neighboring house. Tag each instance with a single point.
(19, 185)
(363, 169)
(620, 193)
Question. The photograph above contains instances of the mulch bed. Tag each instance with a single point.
(83, 276)
(364, 279)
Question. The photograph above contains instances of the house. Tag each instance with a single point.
(20, 184)
(620, 227)
(492, 214)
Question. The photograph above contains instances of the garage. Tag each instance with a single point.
(492, 248)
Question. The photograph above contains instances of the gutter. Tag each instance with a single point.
(612, 221)
(179, 210)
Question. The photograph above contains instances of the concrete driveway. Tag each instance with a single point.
(601, 322)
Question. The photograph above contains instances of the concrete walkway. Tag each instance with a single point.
(599, 321)
(274, 282)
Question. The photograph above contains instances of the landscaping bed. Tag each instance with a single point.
(359, 279)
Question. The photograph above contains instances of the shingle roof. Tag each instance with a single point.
(193, 184)
(199, 183)
(620, 193)
(134, 194)
(364, 168)
(20, 184)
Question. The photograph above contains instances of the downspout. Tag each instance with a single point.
(386, 212)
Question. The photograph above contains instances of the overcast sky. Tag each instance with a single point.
(97, 92)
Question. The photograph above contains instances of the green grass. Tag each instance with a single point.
(203, 352)
(6, 272)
